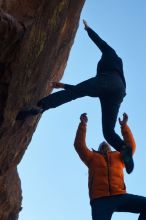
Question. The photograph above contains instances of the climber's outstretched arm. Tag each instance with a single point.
(101, 44)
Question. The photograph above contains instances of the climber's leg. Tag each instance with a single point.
(91, 87)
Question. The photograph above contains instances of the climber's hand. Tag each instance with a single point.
(85, 24)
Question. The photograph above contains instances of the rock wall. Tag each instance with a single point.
(35, 41)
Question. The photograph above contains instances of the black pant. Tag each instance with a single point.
(110, 90)
(103, 208)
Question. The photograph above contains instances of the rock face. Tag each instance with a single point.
(35, 41)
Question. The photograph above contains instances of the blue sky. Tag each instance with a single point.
(54, 180)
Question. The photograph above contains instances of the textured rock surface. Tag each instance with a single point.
(26, 68)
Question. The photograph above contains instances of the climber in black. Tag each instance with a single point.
(108, 85)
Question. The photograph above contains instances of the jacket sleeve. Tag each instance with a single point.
(128, 137)
(101, 44)
(80, 144)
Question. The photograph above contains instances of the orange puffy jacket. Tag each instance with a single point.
(106, 177)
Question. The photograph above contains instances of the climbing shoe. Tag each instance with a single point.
(127, 158)
(28, 112)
